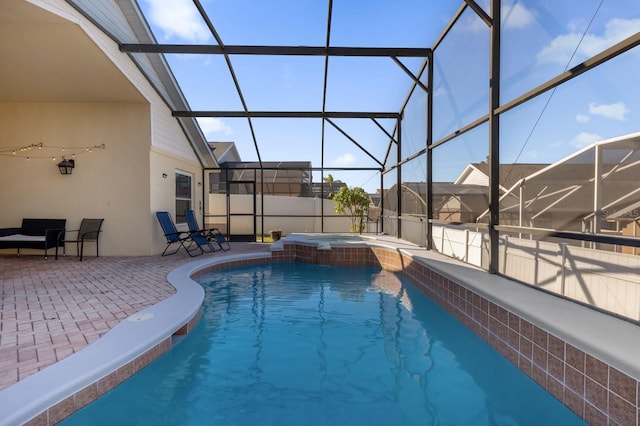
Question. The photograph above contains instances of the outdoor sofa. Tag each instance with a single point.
(39, 234)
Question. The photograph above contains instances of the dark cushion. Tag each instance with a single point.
(39, 226)
(9, 231)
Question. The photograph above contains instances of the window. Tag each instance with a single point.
(183, 196)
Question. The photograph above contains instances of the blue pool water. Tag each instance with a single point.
(296, 344)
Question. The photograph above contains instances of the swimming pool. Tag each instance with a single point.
(292, 343)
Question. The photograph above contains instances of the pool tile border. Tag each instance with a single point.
(80, 399)
(597, 392)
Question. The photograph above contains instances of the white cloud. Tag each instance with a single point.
(575, 25)
(617, 111)
(287, 72)
(582, 118)
(210, 125)
(440, 91)
(178, 18)
(472, 23)
(618, 29)
(583, 139)
(562, 47)
(344, 160)
(516, 16)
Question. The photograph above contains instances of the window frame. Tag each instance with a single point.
(180, 198)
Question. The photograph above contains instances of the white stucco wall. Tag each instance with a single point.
(122, 183)
(290, 214)
(111, 183)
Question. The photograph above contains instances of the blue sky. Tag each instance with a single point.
(540, 39)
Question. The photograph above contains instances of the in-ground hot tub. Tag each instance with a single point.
(325, 241)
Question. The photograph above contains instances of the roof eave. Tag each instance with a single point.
(156, 70)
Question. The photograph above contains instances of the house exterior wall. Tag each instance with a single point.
(632, 229)
(474, 177)
(162, 190)
(122, 183)
(110, 183)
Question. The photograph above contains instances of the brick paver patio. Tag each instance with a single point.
(50, 309)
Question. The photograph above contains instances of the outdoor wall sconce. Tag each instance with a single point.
(164, 176)
(66, 166)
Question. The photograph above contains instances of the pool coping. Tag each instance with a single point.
(149, 330)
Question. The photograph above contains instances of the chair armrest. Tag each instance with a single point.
(179, 234)
(9, 231)
(63, 232)
(84, 235)
(52, 235)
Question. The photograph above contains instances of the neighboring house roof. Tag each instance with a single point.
(225, 151)
(272, 171)
(291, 178)
(568, 185)
(478, 174)
(444, 188)
(324, 189)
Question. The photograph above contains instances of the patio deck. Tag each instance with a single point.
(51, 309)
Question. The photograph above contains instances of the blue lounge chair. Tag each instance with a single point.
(212, 235)
(180, 238)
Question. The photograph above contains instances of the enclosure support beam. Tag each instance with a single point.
(399, 181)
(597, 190)
(429, 171)
(415, 79)
(287, 114)
(494, 140)
(219, 49)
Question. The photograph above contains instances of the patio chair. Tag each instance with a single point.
(89, 231)
(373, 217)
(212, 234)
(174, 237)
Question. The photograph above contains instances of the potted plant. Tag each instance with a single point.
(352, 202)
(276, 234)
